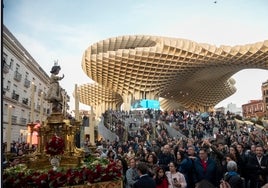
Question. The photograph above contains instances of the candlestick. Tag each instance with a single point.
(8, 132)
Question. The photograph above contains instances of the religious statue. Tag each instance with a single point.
(54, 94)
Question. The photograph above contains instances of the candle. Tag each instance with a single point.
(32, 102)
(41, 108)
(8, 132)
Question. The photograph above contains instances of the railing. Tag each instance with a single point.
(23, 121)
(15, 96)
(17, 76)
(106, 133)
(27, 83)
(25, 101)
(14, 119)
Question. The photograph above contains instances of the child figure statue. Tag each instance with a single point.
(54, 94)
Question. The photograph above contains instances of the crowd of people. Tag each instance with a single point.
(208, 150)
(214, 152)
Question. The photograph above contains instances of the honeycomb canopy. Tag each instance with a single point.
(186, 72)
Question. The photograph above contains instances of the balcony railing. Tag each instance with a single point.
(15, 96)
(23, 121)
(17, 76)
(5, 67)
(14, 119)
(25, 101)
(27, 83)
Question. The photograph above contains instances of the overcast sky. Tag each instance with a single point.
(63, 29)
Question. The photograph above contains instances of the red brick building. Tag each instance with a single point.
(253, 109)
(264, 89)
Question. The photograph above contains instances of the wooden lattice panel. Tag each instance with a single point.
(190, 73)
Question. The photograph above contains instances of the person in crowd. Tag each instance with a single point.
(144, 181)
(184, 164)
(151, 161)
(242, 156)
(258, 167)
(204, 184)
(228, 157)
(120, 152)
(217, 154)
(155, 148)
(175, 178)
(232, 177)
(122, 164)
(140, 153)
(130, 153)
(205, 167)
(161, 178)
(233, 150)
(191, 157)
(165, 157)
(110, 155)
(131, 174)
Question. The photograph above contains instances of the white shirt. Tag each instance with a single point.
(179, 176)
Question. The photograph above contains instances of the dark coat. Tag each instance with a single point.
(209, 174)
(145, 181)
(257, 172)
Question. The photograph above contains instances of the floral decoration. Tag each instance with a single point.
(55, 146)
(93, 170)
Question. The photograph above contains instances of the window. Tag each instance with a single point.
(17, 67)
(5, 109)
(4, 57)
(11, 64)
(8, 85)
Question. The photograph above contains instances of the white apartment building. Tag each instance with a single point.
(24, 84)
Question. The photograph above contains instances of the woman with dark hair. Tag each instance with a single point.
(111, 155)
(161, 178)
(151, 161)
(184, 165)
(120, 152)
(122, 164)
(233, 151)
(175, 178)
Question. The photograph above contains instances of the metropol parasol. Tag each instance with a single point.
(184, 74)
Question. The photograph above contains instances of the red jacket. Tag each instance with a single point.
(164, 184)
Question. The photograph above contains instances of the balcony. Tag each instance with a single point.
(17, 76)
(5, 67)
(23, 121)
(25, 101)
(14, 119)
(15, 96)
(38, 107)
(27, 83)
